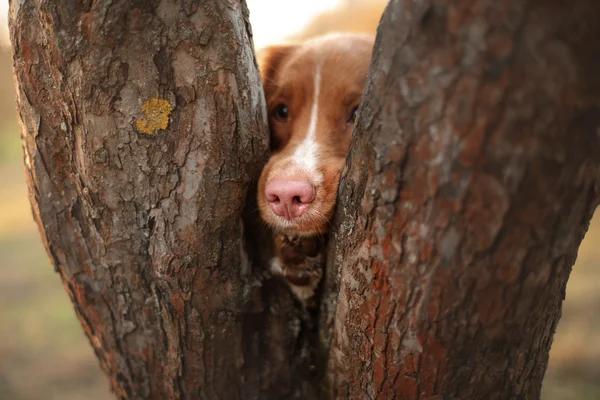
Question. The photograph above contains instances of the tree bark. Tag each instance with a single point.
(144, 133)
(472, 177)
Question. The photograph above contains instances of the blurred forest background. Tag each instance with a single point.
(43, 351)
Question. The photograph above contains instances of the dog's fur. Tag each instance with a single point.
(319, 83)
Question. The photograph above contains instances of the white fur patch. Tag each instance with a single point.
(276, 266)
(302, 292)
(307, 153)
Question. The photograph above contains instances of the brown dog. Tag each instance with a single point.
(312, 91)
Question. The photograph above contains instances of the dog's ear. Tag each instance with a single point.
(270, 58)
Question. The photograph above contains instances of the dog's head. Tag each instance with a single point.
(312, 91)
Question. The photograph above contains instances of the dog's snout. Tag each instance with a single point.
(289, 198)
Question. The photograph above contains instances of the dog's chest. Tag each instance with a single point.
(301, 262)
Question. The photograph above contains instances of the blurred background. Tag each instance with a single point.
(43, 351)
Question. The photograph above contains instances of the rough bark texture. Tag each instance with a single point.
(471, 180)
(472, 177)
(144, 132)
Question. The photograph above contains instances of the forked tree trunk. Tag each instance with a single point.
(471, 180)
(143, 130)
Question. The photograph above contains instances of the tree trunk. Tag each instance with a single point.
(470, 183)
(471, 180)
(144, 132)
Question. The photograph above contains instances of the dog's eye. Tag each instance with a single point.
(353, 114)
(281, 112)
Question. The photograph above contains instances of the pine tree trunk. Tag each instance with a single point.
(144, 132)
(472, 177)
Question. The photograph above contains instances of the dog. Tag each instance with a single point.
(312, 91)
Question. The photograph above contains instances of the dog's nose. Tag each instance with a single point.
(289, 198)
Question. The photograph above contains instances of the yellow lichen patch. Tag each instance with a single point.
(157, 113)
